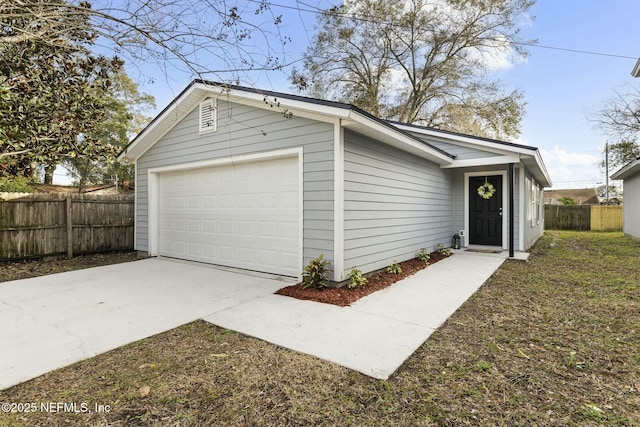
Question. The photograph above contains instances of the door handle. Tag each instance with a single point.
(500, 211)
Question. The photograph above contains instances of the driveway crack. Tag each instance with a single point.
(37, 321)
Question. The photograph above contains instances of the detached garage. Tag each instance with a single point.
(267, 181)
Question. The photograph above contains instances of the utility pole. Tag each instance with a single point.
(606, 168)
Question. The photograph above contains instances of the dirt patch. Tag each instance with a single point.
(344, 296)
(27, 269)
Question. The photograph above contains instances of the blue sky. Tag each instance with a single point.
(562, 88)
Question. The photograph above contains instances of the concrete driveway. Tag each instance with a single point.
(53, 321)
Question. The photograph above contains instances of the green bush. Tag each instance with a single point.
(442, 249)
(17, 184)
(423, 255)
(315, 274)
(394, 268)
(356, 279)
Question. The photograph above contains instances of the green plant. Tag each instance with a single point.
(482, 365)
(315, 274)
(16, 185)
(356, 279)
(423, 255)
(442, 249)
(567, 201)
(394, 268)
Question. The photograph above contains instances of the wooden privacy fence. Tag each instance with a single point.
(606, 218)
(61, 224)
(584, 217)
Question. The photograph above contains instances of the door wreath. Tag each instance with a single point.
(486, 190)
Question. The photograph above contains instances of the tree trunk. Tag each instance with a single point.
(48, 173)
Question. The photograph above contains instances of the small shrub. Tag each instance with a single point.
(394, 268)
(442, 249)
(356, 279)
(423, 255)
(315, 274)
(16, 185)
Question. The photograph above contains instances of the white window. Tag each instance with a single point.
(529, 196)
(540, 204)
(208, 116)
(534, 203)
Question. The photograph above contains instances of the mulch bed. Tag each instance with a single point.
(344, 296)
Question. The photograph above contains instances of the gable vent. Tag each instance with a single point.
(208, 116)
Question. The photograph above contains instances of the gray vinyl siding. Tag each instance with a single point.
(394, 204)
(532, 228)
(245, 130)
(631, 206)
(461, 151)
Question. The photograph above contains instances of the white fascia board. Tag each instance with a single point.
(636, 69)
(483, 161)
(496, 147)
(197, 92)
(258, 99)
(175, 112)
(400, 140)
(628, 170)
(467, 140)
(543, 169)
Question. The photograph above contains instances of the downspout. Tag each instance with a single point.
(511, 180)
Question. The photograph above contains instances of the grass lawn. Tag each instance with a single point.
(550, 342)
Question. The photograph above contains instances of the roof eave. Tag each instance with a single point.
(393, 136)
(523, 150)
(627, 170)
(636, 69)
(140, 143)
(352, 117)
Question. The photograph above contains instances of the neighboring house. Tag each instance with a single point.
(268, 181)
(630, 174)
(585, 196)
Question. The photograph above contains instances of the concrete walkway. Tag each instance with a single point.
(53, 321)
(377, 333)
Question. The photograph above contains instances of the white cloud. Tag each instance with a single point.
(572, 170)
(501, 56)
(520, 140)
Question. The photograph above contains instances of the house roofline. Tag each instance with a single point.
(462, 137)
(636, 69)
(527, 150)
(394, 133)
(336, 109)
(627, 170)
(332, 104)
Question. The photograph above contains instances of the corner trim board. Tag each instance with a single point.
(338, 202)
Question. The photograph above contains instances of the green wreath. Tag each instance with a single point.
(486, 190)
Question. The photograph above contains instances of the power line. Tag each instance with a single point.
(585, 52)
(318, 11)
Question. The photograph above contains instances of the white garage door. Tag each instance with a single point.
(244, 215)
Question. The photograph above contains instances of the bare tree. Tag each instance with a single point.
(619, 116)
(57, 55)
(210, 38)
(419, 61)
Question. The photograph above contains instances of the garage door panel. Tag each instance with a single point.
(242, 215)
